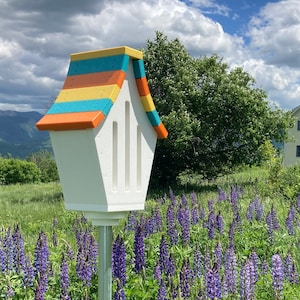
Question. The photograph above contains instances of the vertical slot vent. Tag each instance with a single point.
(115, 157)
(127, 145)
(139, 158)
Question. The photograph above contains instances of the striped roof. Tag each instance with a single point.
(92, 85)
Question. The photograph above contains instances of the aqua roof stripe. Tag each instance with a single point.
(103, 105)
(154, 118)
(138, 68)
(100, 64)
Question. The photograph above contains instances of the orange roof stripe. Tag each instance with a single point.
(161, 131)
(95, 79)
(66, 121)
(142, 85)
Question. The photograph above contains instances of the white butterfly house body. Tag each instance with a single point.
(103, 127)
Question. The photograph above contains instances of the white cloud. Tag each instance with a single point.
(275, 35)
(37, 38)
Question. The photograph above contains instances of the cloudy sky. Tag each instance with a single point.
(37, 37)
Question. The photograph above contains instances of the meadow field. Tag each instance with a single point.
(234, 238)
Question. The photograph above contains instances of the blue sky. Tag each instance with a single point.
(37, 37)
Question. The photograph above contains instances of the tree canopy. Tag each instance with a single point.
(216, 117)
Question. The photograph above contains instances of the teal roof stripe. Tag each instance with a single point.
(100, 64)
(138, 68)
(103, 105)
(154, 117)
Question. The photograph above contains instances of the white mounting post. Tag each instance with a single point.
(105, 263)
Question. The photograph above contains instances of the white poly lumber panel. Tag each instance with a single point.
(79, 170)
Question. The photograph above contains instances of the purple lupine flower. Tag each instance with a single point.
(289, 269)
(139, 250)
(194, 216)
(264, 267)
(162, 291)
(247, 281)
(83, 268)
(250, 211)
(184, 201)
(163, 254)
(185, 277)
(54, 238)
(171, 226)
(276, 225)
(230, 268)
(222, 196)
(201, 213)
(170, 272)
(220, 223)
(231, 234)
(197, 265)
(211, 225)
(41, 256)
(41, 262)
(28, 270)
(119, 294)
(213, 287)
(183, 219)
(157, 272)
(218, 255)
(119, 260)
(84, 261)
(238, 222)
(8, 252)
(2, 258)
(39, 292)
(172, 197)
(131, 220)
(92, 252)
(64, 279)
(149, 226)
(270, 227)
(207, 260)
(69, 253)
(210, 204)
(194, 199)
(255, 210)
(18, 250)
(289, 221)
(277, 275)
(255, 260)
(157, 219)
(259, 210)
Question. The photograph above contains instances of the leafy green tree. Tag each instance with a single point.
(217, 119)
(45, 162)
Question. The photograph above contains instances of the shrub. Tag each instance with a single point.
(18, 171)
(289, 182)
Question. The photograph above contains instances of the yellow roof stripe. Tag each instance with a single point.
(148, 103)
(133, 53)
(89, 93)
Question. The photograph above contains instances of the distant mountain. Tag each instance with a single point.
(19, 136)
